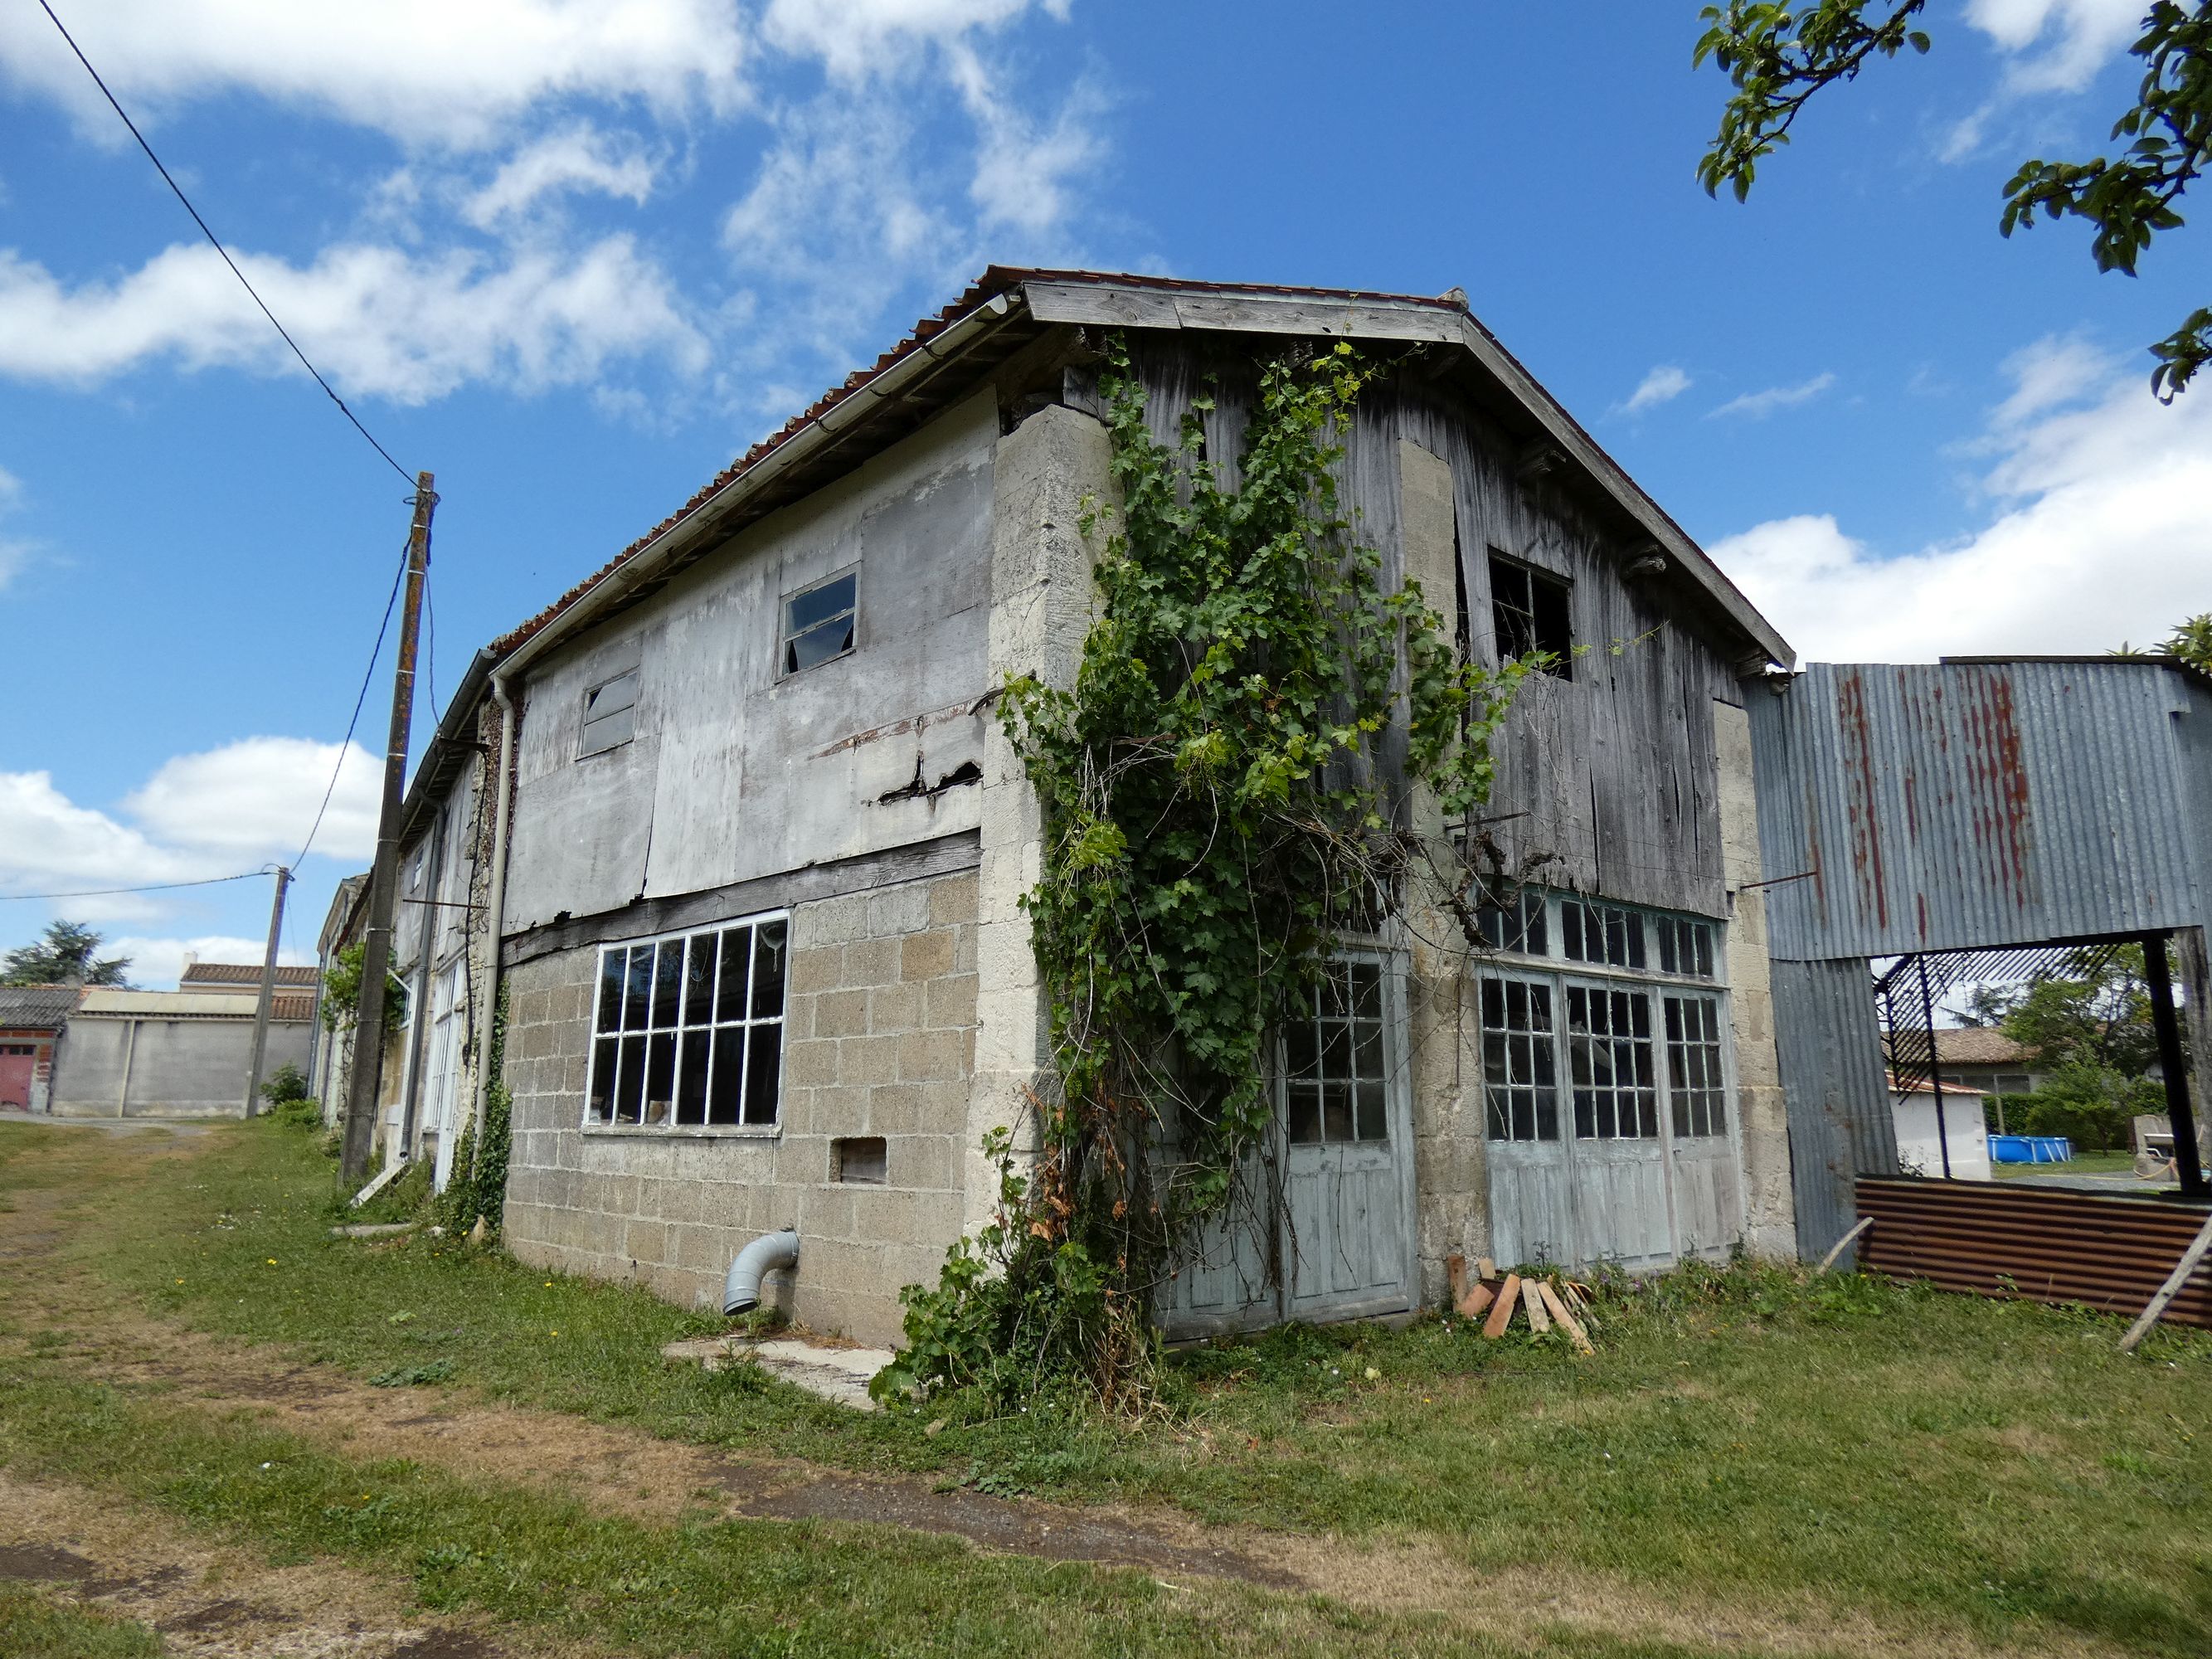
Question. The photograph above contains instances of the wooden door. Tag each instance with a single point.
(1617, 1152)
(1702, 1135)
(1346, 1247)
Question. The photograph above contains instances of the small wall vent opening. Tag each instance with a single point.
(862, 1160)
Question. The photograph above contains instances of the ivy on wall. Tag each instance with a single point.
(1220, 796)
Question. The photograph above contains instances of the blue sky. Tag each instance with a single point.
(572, 258)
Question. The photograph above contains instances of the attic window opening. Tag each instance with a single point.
(609, 714)
(821, 622)
(1530, 612)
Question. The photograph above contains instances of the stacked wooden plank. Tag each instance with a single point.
(1545, 1304)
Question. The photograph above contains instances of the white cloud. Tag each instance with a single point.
(199, 816)
(156, 963)
(1758, 405)
(2078, 38)
(376, 319)
(1024, 168)
(1662, 385)
(257, 797)
(13, 553)
(854, 37)
(576, 158)
(422, 71)
(2101, 535)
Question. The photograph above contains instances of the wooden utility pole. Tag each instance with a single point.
(268, 994)
(363, 1084)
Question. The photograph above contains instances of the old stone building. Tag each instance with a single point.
(758, 882)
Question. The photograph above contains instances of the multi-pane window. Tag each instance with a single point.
(818, 623)
(1520, 1062)
(1516, 922)
(1609, 1061)
(1333, 1055)
(609, 714)
(1530, 612)
(1603, 933)
(1615, 1045)
(1694, 1084)
(1685, 947)
(687, 1031)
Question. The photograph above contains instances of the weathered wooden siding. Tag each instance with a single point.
(734, 773)
(1614, 771)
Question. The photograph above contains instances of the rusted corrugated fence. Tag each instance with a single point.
(2043, 1244)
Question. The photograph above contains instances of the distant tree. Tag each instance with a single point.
(2191, 641)
(1778, 55)
(66, 954)
(2089, 1030)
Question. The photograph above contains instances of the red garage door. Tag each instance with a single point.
(16, 1060)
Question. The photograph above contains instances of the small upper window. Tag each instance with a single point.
(818, 624)
(1529, 611)
(609, 714)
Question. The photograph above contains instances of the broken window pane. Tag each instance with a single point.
(820, 623)
(1530, 612)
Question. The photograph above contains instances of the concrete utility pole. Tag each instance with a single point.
(364, 1083)
(268, 994)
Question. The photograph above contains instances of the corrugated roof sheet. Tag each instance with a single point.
(37, 1008)
(1944, 806)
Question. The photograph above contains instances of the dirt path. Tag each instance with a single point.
(627, 1473)
(212, 1603)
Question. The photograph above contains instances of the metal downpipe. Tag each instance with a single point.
(769, 1253)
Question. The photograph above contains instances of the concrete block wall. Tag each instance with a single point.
(1763, 1116)
(879, 1039)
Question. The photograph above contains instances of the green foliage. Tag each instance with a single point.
(2094, 1013)
(413, 1377)
(341, 992)
(1778, 56)
(477, 1186)
(1218, 808)
(2093, 1106)
(67, 953)
(2191, 641)
(1015, 1312)
(290, 1102)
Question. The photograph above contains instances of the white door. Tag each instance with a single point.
(441, 1109)
(1702, 1141)
(1324, 1224)
(1347, 1154)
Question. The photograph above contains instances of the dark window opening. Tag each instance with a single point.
(860, 1159)
(1530, 613)
(819, 625)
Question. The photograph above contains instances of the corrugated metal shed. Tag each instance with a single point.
(1978, 803)
(1834, 1091)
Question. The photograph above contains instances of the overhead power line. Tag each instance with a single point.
(217, 244)
(157, 887)
(368, 675)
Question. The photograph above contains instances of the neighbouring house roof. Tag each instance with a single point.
(1972, 1045)
(229, 976)
(190, 1005)
(1008, 307)
(38, 1008)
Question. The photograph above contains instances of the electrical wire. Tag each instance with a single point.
(345, 744)
(157, 887)
(219, 247)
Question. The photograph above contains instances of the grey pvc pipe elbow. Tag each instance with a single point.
(741, 1290)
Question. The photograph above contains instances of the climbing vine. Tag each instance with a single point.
(1222, 799)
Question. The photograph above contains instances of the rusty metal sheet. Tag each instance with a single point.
(2039, 1244)
(1937, 806)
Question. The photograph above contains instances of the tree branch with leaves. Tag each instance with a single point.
(1778, 57)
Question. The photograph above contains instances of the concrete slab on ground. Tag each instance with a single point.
(841, 1375)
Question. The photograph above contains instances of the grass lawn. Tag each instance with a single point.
(2079, 1163)
(1944, 1469)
